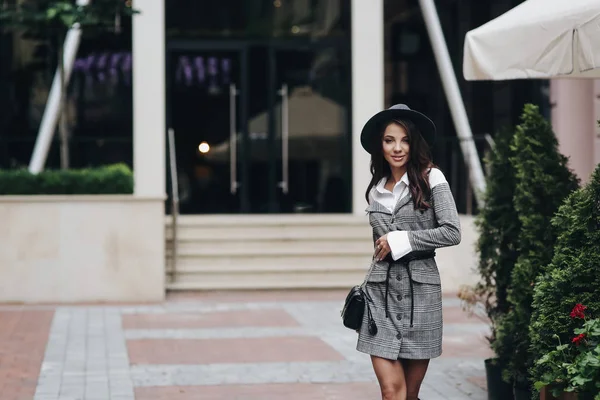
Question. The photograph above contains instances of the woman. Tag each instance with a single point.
(412, 212)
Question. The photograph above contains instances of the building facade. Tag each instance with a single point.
(266, 99)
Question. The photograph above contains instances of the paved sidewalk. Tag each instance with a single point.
(240, 345)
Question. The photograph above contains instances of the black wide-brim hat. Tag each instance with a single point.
(371, 132)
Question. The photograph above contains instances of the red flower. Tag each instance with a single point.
(578, 338)
(577, 311)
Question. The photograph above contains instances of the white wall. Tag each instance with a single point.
(81, 249)
(367, 87)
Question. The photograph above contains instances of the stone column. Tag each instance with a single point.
(149, 132)
(573, 122)
(367, 87)
(149, 129)
(597, 118)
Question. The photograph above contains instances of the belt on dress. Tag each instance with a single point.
(421, 255)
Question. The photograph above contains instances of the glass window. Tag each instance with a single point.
(99, 105)
(257, 18)
(102, 100)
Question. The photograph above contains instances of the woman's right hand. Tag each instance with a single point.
(382, 248)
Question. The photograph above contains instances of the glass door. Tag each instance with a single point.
(260, 127)
(206, 109)
(310, 158)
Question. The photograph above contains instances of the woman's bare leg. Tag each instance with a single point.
(390, 375)
(414, 372)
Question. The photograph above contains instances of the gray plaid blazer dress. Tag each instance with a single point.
(437, 227)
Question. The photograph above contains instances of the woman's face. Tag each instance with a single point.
(396, 146)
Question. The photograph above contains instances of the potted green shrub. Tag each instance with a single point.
(498, 226)
(542, 183)
(572, 278)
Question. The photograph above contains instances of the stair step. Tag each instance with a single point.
(269, 252)
(238, 221)
(278, 261)
(235, 252)
(252, 280)
(270, 232)
(193, 266)
(273, 247)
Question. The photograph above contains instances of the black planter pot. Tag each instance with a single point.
(497, 388)
(521, 393)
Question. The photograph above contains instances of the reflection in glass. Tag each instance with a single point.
(199, 106)
(99, 103)
(317, 109)
(257, 18)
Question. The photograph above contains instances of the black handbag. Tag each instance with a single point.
(354, 308)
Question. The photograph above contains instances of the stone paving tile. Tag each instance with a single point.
(252, 296)
(199, 307)
(293, 391)
(218, 345)
(253, 373)
(249, 318)
(455, 315)
(86, 357)
(23, 337)
(438, 384)
(243, 350)
(457, 344)
(472, 331)
(452, 378)
(258, 295)
(479, 381)
(332, 314)
(217, 333)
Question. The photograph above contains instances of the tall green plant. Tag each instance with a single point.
(498, 226)
(52, 19)
(573, 277)
(542, 183)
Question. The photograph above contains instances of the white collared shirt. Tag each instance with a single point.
(398, 240)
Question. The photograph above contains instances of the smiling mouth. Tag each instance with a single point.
(398, 158)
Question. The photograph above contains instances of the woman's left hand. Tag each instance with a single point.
(382, 248)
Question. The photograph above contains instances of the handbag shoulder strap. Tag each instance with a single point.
(368, 274)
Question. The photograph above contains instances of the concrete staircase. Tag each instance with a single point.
(268, 251)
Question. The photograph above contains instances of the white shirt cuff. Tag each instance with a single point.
(399, 244)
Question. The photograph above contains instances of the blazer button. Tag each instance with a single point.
(399, 297)
(398, 317)
(399, 336)
(398, 277)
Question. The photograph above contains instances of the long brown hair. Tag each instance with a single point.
(418, 165)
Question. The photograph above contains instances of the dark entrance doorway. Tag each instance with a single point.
(261, 126)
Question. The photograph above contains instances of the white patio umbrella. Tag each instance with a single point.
(537, 39)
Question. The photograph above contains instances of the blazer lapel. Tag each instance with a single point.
(378, 207)
(402, 202)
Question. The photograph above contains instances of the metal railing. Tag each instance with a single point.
(172, 267)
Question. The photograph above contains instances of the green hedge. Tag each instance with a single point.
(110, 179)
(543, 181)
(571, 278)
(498, 226)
